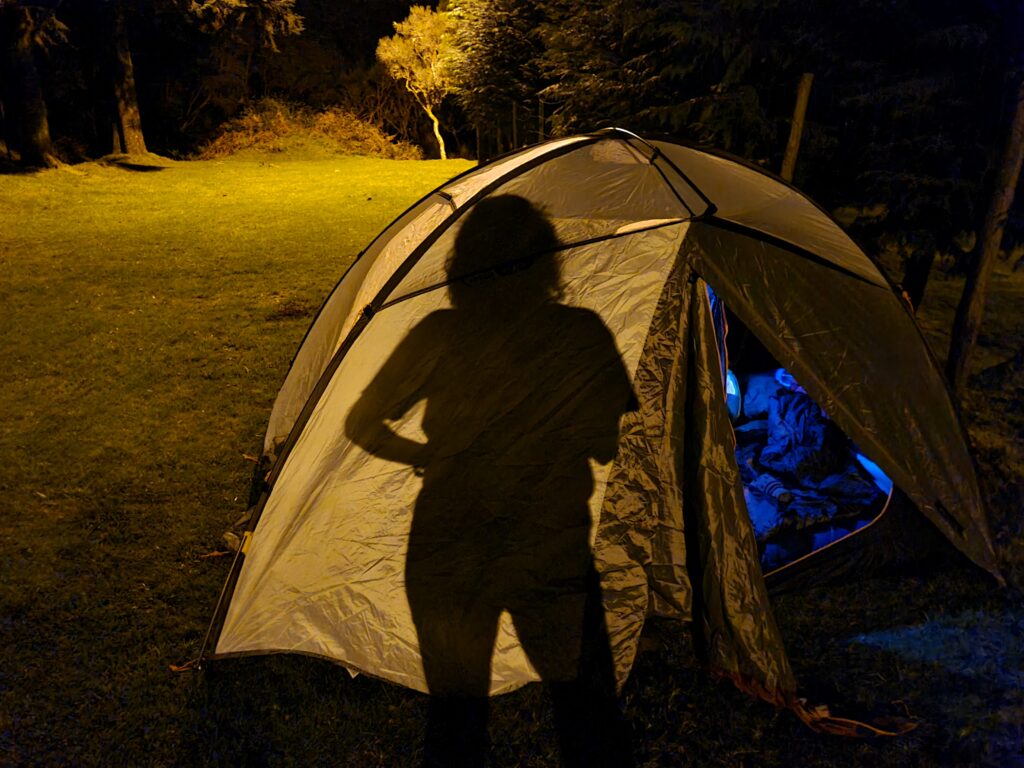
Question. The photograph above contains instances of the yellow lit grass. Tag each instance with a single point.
(149, 317)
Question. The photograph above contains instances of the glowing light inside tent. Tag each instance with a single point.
(787, 379)
(881, 479)
(733, 395)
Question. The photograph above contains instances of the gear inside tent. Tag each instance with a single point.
(517, 398)
(806, 484)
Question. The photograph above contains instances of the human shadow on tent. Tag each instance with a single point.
(521, 392)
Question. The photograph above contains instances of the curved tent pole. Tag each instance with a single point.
(708, 216)
(367, 313)
(733, 226)
(359, 255)
(778, 242)
(657, 154)
(420, 201)
(440, 192)
(886, 283)
(563, 247)
(985, 556)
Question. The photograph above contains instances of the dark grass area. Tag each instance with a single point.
(149, 319)
(963, 686)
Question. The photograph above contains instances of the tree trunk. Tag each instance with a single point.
(796, 128)
(437, 132)
(972, 301)
(96, 66)
(4, 133)
(915, 275)
(128, 128)
(31, 130)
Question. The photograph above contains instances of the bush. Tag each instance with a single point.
(270, 125)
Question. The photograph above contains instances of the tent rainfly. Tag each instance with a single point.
(509, 391)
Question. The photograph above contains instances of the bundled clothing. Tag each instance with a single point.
(801, 473)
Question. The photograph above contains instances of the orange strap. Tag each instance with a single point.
(907, 302)
(819, 718)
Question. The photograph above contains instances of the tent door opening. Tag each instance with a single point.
(806, 484)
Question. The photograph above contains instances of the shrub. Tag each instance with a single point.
(270, 125)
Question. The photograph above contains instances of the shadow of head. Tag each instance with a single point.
(501, 237)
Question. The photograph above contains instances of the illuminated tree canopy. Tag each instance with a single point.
(420, 55)
(499, 44)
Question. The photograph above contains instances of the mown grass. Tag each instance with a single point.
(149, 318)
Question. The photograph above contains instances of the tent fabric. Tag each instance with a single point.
(673, 519)
(644, 228)
(339, 313)
(748, 197)
(324, 570)
(856, 350)
(625, 174)
(374, 268)
(891, 541)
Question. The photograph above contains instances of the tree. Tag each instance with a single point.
(420, 55)
(909, 122)
(251, 25)
(127, 134)
(497, 77)
(266, 19)
(598, 68)
(796, 131)
(24, 31)
(498, 50)
(972, 302)
(699, 69)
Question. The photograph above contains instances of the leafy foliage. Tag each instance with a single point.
(274, 126)
(721, 73)
(420, 55)
(499, 46)
(904, 101)
(266, 19)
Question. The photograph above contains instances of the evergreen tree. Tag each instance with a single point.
(247, 27)
(908, 122)
(498, 48)
(24, 32)
(127, 134)
(689, 67)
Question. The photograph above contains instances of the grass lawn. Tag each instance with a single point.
(150, 315)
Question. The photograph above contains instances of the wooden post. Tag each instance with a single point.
(972, 302)
(796, 128)
(540, 119)
(515, 127)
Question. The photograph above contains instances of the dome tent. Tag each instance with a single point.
(644, 228)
